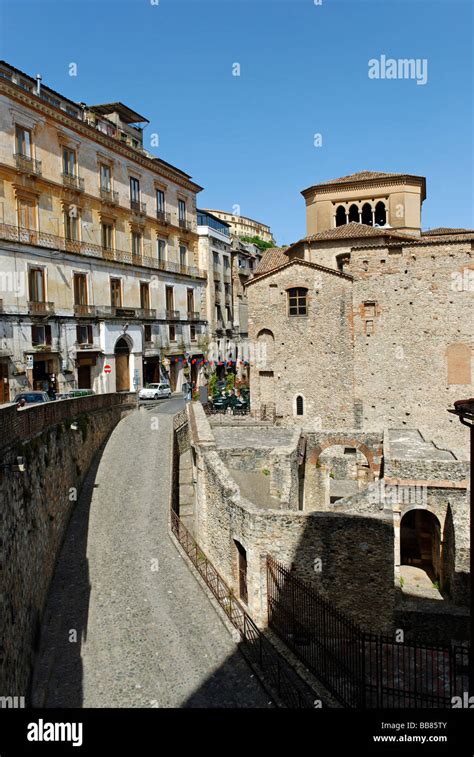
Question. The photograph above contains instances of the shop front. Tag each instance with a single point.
(44, 373)
(86, 362)
(151, 370)
(4, 381)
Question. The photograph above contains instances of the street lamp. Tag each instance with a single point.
(464, 409)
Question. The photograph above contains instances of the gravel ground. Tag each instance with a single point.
(126, 624)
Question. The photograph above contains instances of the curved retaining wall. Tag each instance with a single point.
(35, 509)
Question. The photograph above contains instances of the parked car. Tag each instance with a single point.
(154, 392)
(31, 398)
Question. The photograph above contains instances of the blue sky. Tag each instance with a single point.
(249, 139)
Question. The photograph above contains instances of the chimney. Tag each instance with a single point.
(38, 84)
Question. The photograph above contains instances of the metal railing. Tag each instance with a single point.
(193, 315)
(28, 165)
(109, 195)
(73, 182)
(23, 235)
(163, 216)
(173, 315)
(40, 308)
(138, 207)
(361, 669)
(291, 689)
(184, 224)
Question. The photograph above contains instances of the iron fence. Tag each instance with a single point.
(291, 689)
(361, 669)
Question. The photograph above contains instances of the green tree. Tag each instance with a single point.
(258, 242)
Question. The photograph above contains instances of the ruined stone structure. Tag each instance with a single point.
(348, 511)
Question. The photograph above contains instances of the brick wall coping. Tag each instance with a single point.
(20, 425)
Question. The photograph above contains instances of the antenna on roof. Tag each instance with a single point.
(38, 84)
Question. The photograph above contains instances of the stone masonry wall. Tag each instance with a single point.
(424, 304)
(36, 507)
(312, 355)
(356, 551)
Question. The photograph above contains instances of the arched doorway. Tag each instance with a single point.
(122, 371)
(420, 541)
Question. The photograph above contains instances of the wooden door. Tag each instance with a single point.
(26, 214)
(122, 374)
(4, 386)
(84, 377)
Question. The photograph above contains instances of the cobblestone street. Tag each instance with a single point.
(147, 636)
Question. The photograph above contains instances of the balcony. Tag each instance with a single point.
(73, 182)
(184, 224)
(193, 315)
(227, 275)
(163, 217)
(28, 165)
(217, 298)
(219, 325)
(40, 308)
(228, 299)
(146, 313)
(138, 207)
(109, 196)
(43, 239)
(173, 315)
(85, 311)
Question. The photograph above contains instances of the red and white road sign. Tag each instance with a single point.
(107, 368)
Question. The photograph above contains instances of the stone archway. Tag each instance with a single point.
(420, 541)
(347, 442)
(122, 365)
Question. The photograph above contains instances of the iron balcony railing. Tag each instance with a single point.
(193, 315)
(138, 207)
(40, 308)
(184, 224)
(23, 235)
(28, 165)
(109, 196)
(73, 182)
(163, 217)
(173, 315)
(85, 311)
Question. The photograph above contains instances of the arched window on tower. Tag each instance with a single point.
(367, 214)
(299, 405)
(354, 214)
(341, 216)
(380, 214)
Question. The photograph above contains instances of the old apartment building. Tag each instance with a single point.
(99, 260)
(241, 226)
(367, 320)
